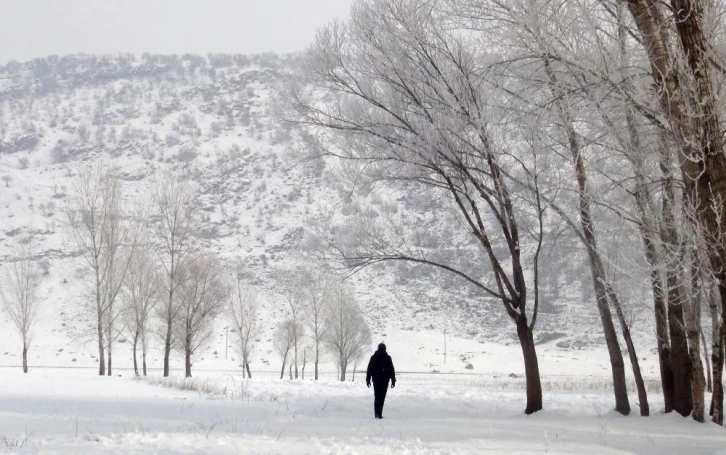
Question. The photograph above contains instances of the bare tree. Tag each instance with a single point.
(202, 295)
(242, 313)
(106, 238)
(113, 329)
(410, 102)
(140, 294)
(294, 286)
(124, 231)
(356, 363)
(174, 204)
(20, 297)
(349, 335)
(284, 340)
(304, 361)
(315, 310)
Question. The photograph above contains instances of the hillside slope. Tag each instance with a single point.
(209, 118)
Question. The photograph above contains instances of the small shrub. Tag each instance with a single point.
(190, 384)
(15, 443)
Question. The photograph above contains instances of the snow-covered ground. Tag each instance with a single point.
(72, 411)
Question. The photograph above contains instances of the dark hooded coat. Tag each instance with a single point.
(380, 370)
(380, 367)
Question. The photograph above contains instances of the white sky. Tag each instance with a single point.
(37, 28)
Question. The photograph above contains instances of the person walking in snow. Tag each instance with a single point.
(380, 369)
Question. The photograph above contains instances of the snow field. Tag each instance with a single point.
(54, 411)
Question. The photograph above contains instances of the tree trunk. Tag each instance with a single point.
(143, 361)
(659, 303)
(617, 365)
(291, 371)
(317, 358)
(167, 346)
(698, 382)
(25, 357)
(676, 288)
(282, 371)
(663, 340)
(136, 365)
(244, 363)
(664, 348)
(679, 353)
(645, 207)
(704, 345)
(692, 317)
(101, 350)
(531, 366)
(110, 353)
(249, 373)
(717, 396)
(342, 371)
(188, 363)
(718, 299)
(639, 383)
(718, 366)
(717, 336)
(681, 362)
(296, 372)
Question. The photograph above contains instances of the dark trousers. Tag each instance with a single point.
(380, 388)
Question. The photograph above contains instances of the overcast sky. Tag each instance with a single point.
(36, 28)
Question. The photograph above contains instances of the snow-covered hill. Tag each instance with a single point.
(209, 117)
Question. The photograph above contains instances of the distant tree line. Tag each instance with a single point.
(149, 279)
(54, 73)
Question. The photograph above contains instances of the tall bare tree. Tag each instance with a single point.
(141, 292)
(316, 310)
(294, 287)
(202, 295)
(20, 295)
(348, 336)
(173, 201)
(283, 341)
(410, 102)
(242, 313)
(106, 237)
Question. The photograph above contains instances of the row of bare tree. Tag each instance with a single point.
(20, 294)
(148, 278)
(147, 273)
(325, 314)
(530, 114)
